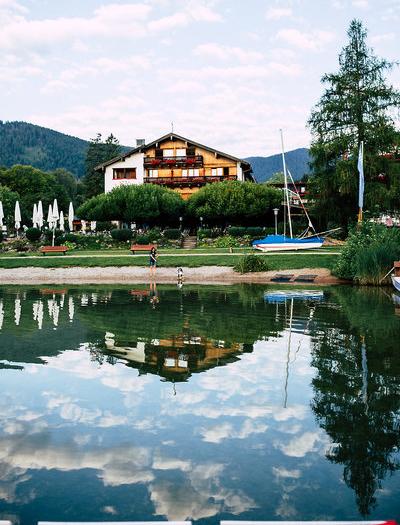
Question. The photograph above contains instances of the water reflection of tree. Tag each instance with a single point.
(357, 401)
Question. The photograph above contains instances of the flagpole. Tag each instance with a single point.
(360, 167)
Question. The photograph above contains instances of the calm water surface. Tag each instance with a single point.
(202, 403)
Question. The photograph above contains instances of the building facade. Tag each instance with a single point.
(175, 162)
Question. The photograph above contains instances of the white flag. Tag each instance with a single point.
(360, 167)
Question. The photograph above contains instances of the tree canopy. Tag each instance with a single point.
(32, 185)
(98, 151)
(234, 202)
(356, 106)
(145, 203)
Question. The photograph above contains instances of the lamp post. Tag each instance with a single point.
(276, 220)
(201, 222)
(180, 222)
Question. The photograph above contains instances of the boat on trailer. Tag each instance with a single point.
(309, 239)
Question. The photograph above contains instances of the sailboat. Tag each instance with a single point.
(307, 240)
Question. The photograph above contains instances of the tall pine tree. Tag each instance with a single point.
(356, 106)
(99, 151)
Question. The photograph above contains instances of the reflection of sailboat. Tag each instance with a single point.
(280, 296)
(291, 298)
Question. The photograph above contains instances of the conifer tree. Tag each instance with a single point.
(357, 106)
(99, 151)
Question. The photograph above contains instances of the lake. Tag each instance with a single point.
(200, 402)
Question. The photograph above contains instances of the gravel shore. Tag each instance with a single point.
(137, 274)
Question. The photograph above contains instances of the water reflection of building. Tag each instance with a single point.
(176, 358)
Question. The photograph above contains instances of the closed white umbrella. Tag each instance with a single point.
(55, 211)
(40, 215)
(34, 216)
(1, 214)
(71, 217)
(17, 216)
(50, 216)
(62, 228)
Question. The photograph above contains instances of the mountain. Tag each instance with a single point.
(46, 149)
(296, 161)
(43, 148)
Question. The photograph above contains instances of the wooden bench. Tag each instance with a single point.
(282, 277)
(54, 249)
(142, 247)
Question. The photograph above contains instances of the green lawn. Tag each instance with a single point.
(86, 259)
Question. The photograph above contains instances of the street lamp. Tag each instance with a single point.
(276, 220)
(180, 222)
(201, 222)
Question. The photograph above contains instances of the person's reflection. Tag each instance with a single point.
(154, 299)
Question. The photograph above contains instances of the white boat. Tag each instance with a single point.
(307, 241)
(396, 282)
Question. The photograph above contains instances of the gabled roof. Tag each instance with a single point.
(168, 136)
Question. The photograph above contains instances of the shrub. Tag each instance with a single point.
(252, 263)
(20, 245)
(172, 233)
(70, 237)
(236, 231)
(255, 231)
(33, 234)
(227, 241)
(121, 235)
(69, 245)
(104, 226)
(142, 239)
(204, 233)
(368, 254)
(48, 235)
(154, 234)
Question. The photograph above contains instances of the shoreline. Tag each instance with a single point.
(141, 275)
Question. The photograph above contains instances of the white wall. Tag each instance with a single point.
(240, 175)
(134, 161)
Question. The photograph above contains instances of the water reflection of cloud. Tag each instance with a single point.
(227, 431)
(301, 445)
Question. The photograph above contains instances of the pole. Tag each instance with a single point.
(286, 187)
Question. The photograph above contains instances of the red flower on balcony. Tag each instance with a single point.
(191, 160)
(155, 162)
(170, 162)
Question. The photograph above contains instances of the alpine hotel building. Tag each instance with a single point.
(175, 162)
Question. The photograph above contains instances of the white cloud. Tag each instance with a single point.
(313, 40)
(360, 4)
(276, 13)
(220, 52)
(384, 37)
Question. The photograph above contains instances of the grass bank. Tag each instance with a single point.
(275, 262)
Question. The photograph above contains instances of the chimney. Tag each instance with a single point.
(140, 142)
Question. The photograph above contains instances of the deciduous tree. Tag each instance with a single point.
(99, 151)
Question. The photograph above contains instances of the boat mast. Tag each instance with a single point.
(286, 187)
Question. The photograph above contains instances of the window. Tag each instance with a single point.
(153, 173)
(191, 151)
(181, 152)
(168, 152)
(226, 171)
(124, 173)
(184, 173)
(216, 171)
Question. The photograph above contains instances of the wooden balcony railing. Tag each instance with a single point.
(187, 181)
(195, 161)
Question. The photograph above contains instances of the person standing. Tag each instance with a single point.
(153, 260)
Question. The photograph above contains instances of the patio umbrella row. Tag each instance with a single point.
(54, 217)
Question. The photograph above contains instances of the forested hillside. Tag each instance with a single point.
(296, 161)
(23, 143)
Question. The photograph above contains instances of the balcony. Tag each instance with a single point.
(190, 182)
(194, 161)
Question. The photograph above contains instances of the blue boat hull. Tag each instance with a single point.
(275, 243)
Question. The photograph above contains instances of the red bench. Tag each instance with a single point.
(54, 249)
(142, 247)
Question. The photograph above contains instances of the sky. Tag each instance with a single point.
(226, 73)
